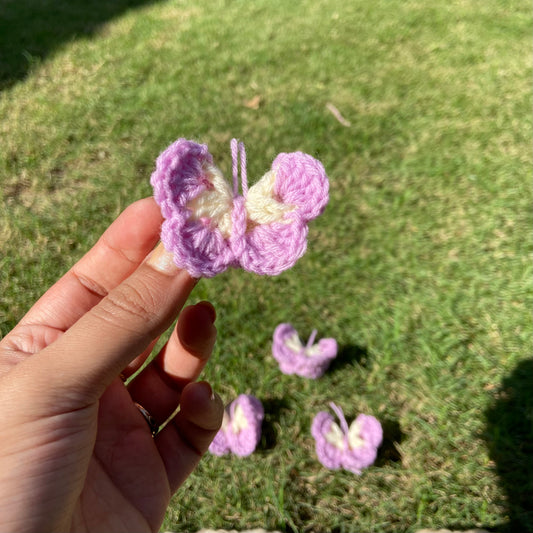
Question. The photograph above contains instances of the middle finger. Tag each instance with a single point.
(158, 387)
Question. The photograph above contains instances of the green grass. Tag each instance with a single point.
(420, 266)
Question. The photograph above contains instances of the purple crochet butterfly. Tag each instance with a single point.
(210, 227)
(353, 448)
(241, 427)
(310, 361)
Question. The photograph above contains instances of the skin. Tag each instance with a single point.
(76, 454)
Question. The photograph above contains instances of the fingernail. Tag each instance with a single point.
(208, 389)
(196, 330)
(162, 260)
(208, 306)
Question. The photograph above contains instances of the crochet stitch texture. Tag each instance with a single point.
(209, 226)
(351, 447)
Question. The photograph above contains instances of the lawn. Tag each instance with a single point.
(420, 266)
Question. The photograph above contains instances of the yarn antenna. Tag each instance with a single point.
(342, 420)
(311, 339)
(237, 149)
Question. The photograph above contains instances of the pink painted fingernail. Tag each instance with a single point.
(208, 306)
(196, 330)
(208, 389)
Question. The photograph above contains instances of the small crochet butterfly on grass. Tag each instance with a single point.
(351, 447)
(241, 427)
(310, 360)
(209, 227)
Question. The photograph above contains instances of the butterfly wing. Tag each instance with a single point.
(327, 348)
(279, 207)
(244, 430)
(274, 248)
(196, 203)
(370, 430)
(315, 360)
(220, 445)
(301, 181)
(364, 438)
(329, 440)
(285, 347)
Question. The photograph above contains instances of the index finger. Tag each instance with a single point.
(84, 361)
(118, 252)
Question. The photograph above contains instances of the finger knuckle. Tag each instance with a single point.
(131, 304)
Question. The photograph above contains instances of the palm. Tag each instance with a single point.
(126, 483)
(76, 454)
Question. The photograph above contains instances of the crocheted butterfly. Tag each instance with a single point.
(310, 361)
(351, 447)
(209, 227)
(241, 427)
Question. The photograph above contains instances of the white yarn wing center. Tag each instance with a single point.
(335, 436)
(214, 206)
(294, 344)
(261, 206)
(354, 439)
(238, 421)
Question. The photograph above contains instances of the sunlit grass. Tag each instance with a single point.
(420, 266)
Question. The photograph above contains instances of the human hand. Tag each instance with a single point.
(76, 454)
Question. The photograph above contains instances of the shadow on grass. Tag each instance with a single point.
(349, 355)
(269, 434)
(392, 435)
(31, 30)
(509, 435)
